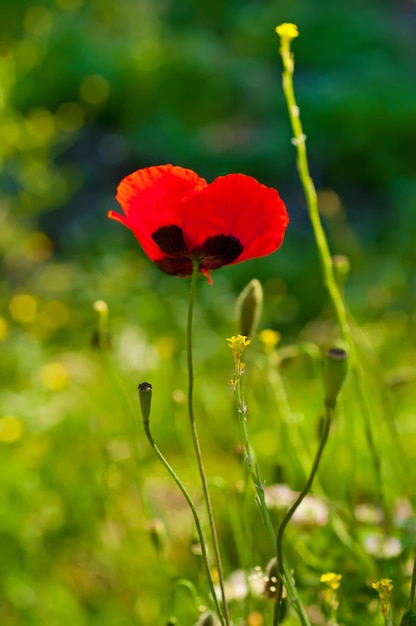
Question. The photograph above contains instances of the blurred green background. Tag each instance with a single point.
(91, 90)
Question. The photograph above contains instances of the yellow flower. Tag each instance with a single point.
(287, 31)
(238, 343)
(384, 584)
(331, 579)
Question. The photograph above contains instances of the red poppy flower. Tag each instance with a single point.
(178, 218)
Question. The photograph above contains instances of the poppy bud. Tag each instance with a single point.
(408, 619)
(334, 371)
(248, 308)
(145, 395)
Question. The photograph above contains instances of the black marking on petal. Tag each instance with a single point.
(175, 267)
(170, 240)
(218, 251)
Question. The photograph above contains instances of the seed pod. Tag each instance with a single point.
(145, 395)
(335, 367)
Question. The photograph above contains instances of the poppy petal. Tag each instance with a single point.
(151, 199)
(236, 206)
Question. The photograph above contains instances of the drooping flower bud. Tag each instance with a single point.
(145, 396)
(249, 307)
(334, 371)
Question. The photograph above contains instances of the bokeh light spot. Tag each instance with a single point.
(26, 54)
(38, 247)
(38, 20)
(329, 202)
(11, 429)
(10, 133)
(70, 117)
(54, 314)
(41, 124)
(166, 347)
(54, 376)
(23, 308)
(94, 89)
(255, 619)
(57, 277)
(4, 328)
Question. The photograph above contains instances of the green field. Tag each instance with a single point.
(93, 529)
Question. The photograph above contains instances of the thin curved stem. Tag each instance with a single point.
(197, 446)
(191, 505)
(289, 514)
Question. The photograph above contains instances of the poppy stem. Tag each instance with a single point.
(327, 265)
(146, 424)
(197, 446)
(289, 514)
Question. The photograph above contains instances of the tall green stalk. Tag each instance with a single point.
(196, 443)
(287, 32)
(238, 344)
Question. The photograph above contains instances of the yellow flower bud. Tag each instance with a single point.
(287, 31)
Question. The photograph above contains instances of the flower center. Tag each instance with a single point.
(217, 251)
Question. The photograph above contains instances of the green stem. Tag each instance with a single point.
(412, 588)
(254, 473)
(191, 505)
(289, 514)
(196, 443)
(325, 258)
